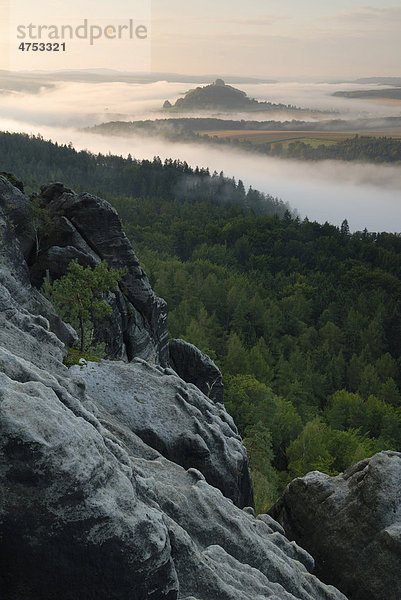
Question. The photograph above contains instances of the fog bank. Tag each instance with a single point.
(365, 194)
(80, 104)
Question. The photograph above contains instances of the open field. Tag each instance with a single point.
(313, 138)
(391, 101)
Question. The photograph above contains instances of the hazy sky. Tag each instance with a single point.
(279, 37)
(265, 38)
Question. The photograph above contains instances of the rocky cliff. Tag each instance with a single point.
(351, 524)
(88, 229)
(119, 480)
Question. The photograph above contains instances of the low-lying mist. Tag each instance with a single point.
(80, 104)
(367, 195)
(319, 96)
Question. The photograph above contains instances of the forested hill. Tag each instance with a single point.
(35, 161)
(304, 319)
(219, 96)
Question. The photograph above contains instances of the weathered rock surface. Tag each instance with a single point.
(182, 424)
(15, 207)
(88, 228)
(351, 524)
(17, 235)
(89, 509)
(195, 367)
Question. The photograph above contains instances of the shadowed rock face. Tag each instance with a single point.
(351, 524)
(88, 228)
(195, 367)
(93, 500)
(17, 239)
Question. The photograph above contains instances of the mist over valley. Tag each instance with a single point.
(367, 195)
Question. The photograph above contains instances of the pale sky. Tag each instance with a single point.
(261, 38)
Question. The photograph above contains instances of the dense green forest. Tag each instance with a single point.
(182, 125)
(304, 319)
(36, 161)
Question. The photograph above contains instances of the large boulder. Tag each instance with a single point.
(351, 524)
(195, 367)
(72, 524)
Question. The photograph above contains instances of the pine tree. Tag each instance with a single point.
(78, 295)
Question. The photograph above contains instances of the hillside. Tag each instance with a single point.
(303, 321)
(302, 318)
(126, 479)
(389, 94)
(35, 160)
(122, 480)
(220, 96)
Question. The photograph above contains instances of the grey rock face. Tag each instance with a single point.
(351, 524)
(16, 235)
(195, 367)
(176, 419)
(71, 522)
(15, 206)
(87, 228)
(89, 507)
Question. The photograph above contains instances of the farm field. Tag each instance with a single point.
(313, 138)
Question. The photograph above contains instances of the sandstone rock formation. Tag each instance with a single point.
(89, 229)
(17, 239)
(94, 500)
(195, 367)
(184, 426)
(351, 524)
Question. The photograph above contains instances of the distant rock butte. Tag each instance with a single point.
(220, 96)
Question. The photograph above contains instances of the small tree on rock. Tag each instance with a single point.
(78, 295)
